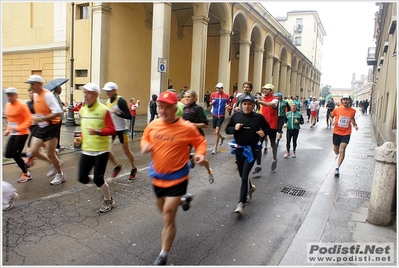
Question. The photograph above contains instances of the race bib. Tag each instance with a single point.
(344, 121)
(42, 124)
(13, 125)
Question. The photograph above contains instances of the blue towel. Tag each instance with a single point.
(247, 151)
(169, 176)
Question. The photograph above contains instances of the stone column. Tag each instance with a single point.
(276, 76)
(258, 62)
(294, 88)
(269, 69)
(382, 201)
(198, 58)
(224, 62)
(160, 48)
(243, 63)
(288, 84)
(299, 84)
(283, 80)
(100, 45)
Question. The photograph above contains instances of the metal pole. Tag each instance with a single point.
(70, 121)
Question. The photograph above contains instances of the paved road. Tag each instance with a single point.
(61, 225)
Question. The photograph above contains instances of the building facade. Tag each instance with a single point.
(200, 44)
(383, 59)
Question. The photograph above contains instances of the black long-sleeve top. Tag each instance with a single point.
(252, 123)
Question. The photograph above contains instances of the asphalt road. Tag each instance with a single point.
(61, 225)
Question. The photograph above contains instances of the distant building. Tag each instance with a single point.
(359, 83)
(307, 33)
(363, 92)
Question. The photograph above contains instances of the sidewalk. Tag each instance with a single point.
(347, 199)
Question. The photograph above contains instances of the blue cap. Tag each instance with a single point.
(248, 97)
(278, 94)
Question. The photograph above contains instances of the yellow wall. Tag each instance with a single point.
(27, 23)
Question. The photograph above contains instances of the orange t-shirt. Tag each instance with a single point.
(18, 113)
(170, 147)
(344, 117)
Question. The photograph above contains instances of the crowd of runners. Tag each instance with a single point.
(254, 120)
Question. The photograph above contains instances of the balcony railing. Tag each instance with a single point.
(371, 59)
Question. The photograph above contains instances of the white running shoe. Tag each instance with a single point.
(240, 208)
(59, 178)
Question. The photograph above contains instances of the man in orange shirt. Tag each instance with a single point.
(344, 119)
(47, 118)
(19, 119)
(168, 139)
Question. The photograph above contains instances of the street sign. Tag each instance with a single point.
(161, 65)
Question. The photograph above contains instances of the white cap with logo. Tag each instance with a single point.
(110, 86)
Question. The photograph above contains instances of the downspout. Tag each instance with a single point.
(232, 25)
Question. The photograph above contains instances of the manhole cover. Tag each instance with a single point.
(293, 191)
(359, 194)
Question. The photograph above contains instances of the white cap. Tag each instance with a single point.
(219, 85)
(34, 78)
(345, 96)
(11, 90)
(92, 87)
(110, 86)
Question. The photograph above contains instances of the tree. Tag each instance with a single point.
(325, 91)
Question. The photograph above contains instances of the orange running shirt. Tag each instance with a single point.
(343, 117)
(18, 113)
(170, 147)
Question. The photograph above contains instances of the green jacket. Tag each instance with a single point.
(290, 120)
(282, 107)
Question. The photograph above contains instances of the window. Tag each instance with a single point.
(82, 11)
(81, 73)
(314, 26)
(299, 21)
(298, 41)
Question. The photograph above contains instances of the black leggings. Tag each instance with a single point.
(244, 167)
(293, 133)
(14, 148)
(272, 137)
(87, 162)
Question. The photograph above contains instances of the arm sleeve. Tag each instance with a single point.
(201, 116)
(109, 126)
(27, 122)
(125, 112)
(230, 127)
(301, 121)
(52, 103)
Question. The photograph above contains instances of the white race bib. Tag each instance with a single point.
(13, 125)
(344, 121)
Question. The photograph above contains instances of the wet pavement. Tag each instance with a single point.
(61, 225)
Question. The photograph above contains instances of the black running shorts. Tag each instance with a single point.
(177, 190)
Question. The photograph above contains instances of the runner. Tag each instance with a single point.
(220, 102)
(119, 110)
(168, 138)
(269, 111)
(19, 119)
(330, 107)
(293, 121)
(247, 126)
(283, 107)
(195, 114)
(9, 194)
(344, 118)
(47, 118)
(314, 107)
(96, 125)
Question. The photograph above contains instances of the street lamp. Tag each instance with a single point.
(70, 121)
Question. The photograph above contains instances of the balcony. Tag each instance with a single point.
(371, 59)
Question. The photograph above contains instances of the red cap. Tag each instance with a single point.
(185, 87)
(168, 97)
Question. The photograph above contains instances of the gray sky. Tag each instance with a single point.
(349, 27)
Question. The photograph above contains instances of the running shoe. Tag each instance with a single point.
(59, 178)
(11, 202)
(274, 164)
(214, 151)
(293, 154)
(52, 169)
(287, 154)
(257, 171)
(336, 172)
(240, 208)
(187, 198)
(107, 205)
(265, 151)
(250, 192)
(25, 177)
(133, 173)
(210, 177)
(161, 260)
(29, 163)
(222, 140)
(116, 170)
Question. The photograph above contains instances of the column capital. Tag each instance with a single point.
(259, 50)
(102, 8)
(200, 19)
(225, 32)
(245, 42)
